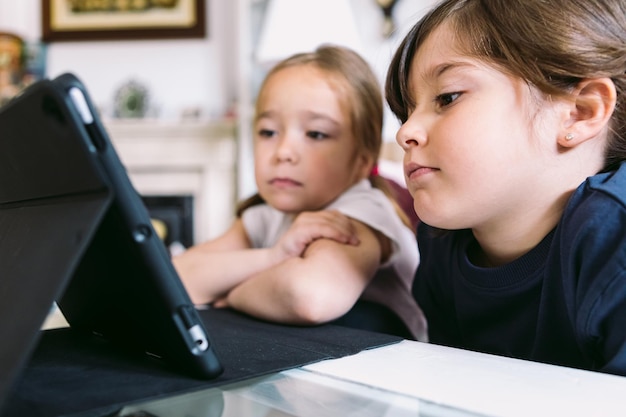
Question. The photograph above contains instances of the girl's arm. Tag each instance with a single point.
(320, 286)
(211, 269)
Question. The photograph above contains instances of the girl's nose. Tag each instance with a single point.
(286, 150)
(411, 133)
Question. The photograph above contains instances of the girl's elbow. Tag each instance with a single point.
(316, 308)
(309, 314)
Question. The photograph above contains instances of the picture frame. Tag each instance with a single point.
(81, 20)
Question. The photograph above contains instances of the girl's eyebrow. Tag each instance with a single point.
(439, 70)
(312, 115)
(431, 74)
(264, 115)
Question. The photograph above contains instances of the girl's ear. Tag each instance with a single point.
(589, 112)
(366, 163)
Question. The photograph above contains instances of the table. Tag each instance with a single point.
(296, 392)
(408, 379)
(404, 379)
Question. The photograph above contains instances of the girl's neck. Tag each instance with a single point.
(499, 244)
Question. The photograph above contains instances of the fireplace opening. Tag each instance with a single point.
(172, 217)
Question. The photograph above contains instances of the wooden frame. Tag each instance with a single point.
(122, 20)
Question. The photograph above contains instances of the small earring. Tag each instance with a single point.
(569, 136)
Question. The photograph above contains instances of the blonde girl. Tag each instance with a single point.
(320, 242)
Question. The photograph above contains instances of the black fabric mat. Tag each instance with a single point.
(69, 375)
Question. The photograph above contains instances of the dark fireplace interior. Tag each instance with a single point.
(175, 213)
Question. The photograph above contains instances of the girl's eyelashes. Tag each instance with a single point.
(446, 99)
(441, 101)
(266, 133)
(316, 134)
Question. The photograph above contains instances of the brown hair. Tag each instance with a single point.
(551, 44)
(360, 93)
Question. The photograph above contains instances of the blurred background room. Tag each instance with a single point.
(175, 80)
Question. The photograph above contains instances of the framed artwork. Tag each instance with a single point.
(88, 20)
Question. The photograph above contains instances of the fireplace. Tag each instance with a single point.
(185, 171)
(172, 217)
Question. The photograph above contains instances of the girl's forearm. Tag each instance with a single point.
(302, 290)
(210, 275)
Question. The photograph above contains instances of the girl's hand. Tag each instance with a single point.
(310, 226)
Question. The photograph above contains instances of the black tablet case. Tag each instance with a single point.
(62, 222)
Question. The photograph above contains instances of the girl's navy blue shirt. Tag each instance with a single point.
(564, 302)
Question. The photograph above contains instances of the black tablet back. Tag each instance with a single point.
(73, 229)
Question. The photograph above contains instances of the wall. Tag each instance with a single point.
(185, 73)
(379, 50)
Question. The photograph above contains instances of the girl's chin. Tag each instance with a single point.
(443, 224)
(291, 203)
(286, 206)
(434, 218)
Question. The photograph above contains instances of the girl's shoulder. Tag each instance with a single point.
(372, 207)
(363, 202)
(611, 183)
(594, 220)
(601, 197)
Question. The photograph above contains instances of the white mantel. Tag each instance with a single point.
(183, 158)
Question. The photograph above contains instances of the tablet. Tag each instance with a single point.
(75, 231)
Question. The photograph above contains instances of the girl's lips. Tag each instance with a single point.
(284, 182)
(413, 170)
